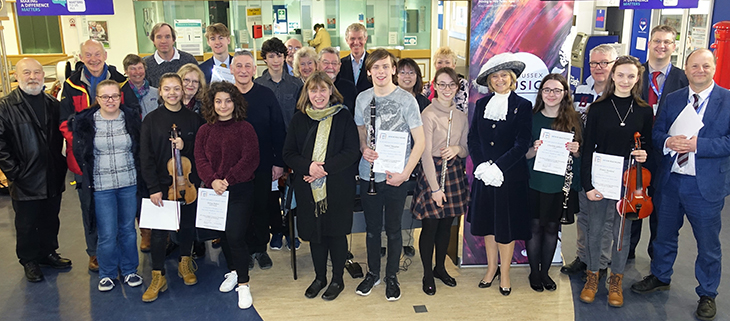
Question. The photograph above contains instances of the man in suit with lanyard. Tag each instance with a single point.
(661, 78)
(353, 66)
(695, 179)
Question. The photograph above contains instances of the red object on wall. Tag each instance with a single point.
(722, 52)
(257, 31)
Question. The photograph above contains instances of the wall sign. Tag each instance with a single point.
(64, 7)
(658, 4)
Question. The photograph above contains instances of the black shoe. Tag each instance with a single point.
(429, 287)
(251, 262)
(265, 262)
(55, 261)
(706, 310)
(367, 284)
(444, 277)
(333, 291)
(601, 274)
(485, 284)
(574, 267)
(535, 283)
(649, 284)
(314, 288)
(548, 283)
(33, 272)
(382, 251)
(198, 250)
(409, 251)
(350, 256)
(392, 288)
(505, 291)
(632, 255)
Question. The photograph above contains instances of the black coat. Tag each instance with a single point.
(348, 91)
(31, 158)
(501, 211)
(343, 154)
(676, 80)
(362, 83)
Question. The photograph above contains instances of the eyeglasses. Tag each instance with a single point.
(442, 86)
(290, 48)
(603, 64)
(188, 82)
(659, 42)
(556, 91)
(330, 63)
(407, 73)
(107, 97)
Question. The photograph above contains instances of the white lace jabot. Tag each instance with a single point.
(497, 107)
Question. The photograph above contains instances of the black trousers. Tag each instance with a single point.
(233, 240)
(185, 237)
(276, 223)
(257, 235)
(336, 247)
(36, 225)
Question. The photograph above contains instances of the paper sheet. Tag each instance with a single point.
(160, 218)
(552, 156)
(212, 210)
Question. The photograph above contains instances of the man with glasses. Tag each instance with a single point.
(166, 58)
(601, 61)
(292, 45)
(660, 78)
(329, 62)
(79, 93)
(356, 36)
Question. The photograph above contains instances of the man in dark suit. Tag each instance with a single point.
(353, 66)
(695, 179)
(660, 78)
(329, 62)
(218, 38)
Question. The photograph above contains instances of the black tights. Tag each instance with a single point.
(541, 248)
(336, 247)
(434, 232)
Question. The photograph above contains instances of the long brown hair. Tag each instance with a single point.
(318, 79)
(568, 119)
(636, 90)
(240, 106)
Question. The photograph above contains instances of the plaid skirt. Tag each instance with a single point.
(456, 190)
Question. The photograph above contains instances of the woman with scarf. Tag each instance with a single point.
(498, 139)
(136, 70)
(322, 147)
(194, 87)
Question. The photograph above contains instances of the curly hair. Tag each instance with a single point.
(273, 45)
(240, 106)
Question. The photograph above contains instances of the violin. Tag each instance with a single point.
(179, 168)
(636, 203)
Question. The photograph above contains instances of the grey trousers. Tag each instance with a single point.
(89, 227)
(598, 213)
(582, 226)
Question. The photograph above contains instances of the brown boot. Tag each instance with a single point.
(93, 264)
(186, 270)
(615, 290)
(589, 290)
(158, 284)
(144, 244)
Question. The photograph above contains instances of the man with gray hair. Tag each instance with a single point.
(30, 157)
(329, 62)
(601, 61)
(356, 36)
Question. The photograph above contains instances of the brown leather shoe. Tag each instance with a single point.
(615, 290)
(591, 287)
(144, 244)
(158, 284)
(93, 264)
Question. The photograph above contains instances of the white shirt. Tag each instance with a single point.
(159, 59)
(689, 168)
(218, 63)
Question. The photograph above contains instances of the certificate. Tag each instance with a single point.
(160, 218)
(222, 74)
(607, 175)
(391, 148)
(552, 156)
(212, 210)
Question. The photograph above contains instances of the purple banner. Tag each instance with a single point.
(658, 4)
(64, 7)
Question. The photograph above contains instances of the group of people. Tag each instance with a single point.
(317, 124)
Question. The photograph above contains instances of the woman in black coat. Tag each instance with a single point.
(498, 139)
(322, 147)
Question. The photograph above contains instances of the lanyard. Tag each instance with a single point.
(653, 87)
(702, 104)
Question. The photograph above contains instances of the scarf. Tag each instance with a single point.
(141, 91)
(319, 186)
(496, 109)
(93, 81)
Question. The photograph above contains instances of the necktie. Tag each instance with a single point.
(653, 98)
(683, 158)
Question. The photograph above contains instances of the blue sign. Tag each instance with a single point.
(65, 7)
(658, 4)
(600, 19)
(640, 34)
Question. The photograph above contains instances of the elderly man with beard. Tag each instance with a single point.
(30, 156)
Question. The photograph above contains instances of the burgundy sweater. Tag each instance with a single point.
(226, 150)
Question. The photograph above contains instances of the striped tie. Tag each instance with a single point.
(683, 158)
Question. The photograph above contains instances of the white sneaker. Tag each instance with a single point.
(230, 282)
(133, 279)
(244, 296)
(106, 284)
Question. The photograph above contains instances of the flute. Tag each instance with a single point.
(371, 187)
(444, 161)
(567, 218)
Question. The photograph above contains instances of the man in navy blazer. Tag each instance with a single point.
(660, 78)
(218, 38)
(353, 66)
(694, 176)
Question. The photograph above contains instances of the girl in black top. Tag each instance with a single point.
(612, 121)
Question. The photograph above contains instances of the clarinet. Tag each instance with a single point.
(443, 161)
(371, 188)
(565, 217)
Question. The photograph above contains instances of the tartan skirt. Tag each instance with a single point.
(456, 189)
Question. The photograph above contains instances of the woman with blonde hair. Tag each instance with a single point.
(445, 57)
(305, 63)
(194, 87)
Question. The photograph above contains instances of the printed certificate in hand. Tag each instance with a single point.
(391, 148)
(166, 217)
(212, 210)
(552, 156)
(607, 175)
(222, 74)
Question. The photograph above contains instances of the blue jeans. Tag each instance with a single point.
(117, 247)
(681, 196)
